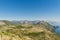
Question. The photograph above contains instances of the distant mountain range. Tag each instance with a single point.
(6, 22)
(28, 30)
(29, 22)
(54, 23)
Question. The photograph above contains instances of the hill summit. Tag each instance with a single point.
(31, 30)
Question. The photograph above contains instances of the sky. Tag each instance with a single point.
(30, 10)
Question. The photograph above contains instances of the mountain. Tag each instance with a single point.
(28, 30)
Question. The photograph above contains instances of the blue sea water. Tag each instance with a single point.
(57, 30)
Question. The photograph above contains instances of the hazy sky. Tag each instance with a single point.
(30, 10)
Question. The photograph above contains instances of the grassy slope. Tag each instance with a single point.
(33, 32)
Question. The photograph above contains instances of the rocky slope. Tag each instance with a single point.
(39, 31)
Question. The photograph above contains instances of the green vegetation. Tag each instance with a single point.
(41, 31)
